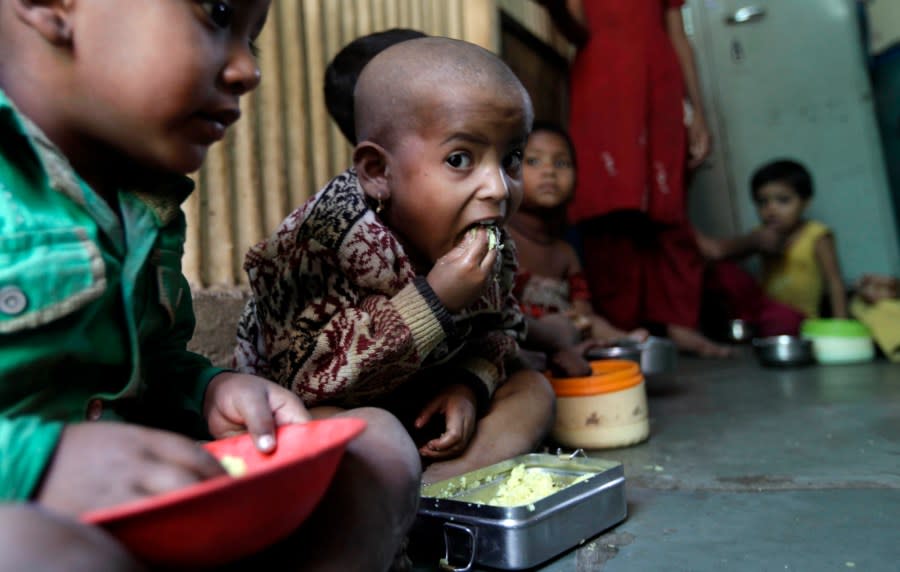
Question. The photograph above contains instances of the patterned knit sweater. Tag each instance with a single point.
(339, 316)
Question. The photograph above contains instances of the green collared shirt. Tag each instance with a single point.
(95, 313)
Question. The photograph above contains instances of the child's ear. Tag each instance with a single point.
(372, 170)
(50, 18)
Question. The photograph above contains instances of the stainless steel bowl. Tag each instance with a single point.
(739, 331)
(783, 351)
(654, 355)
(620, 350)
(658, 355)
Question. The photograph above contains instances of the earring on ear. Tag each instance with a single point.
(65, 34)
(380, 206)
(62, 31)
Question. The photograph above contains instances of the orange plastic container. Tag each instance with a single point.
(605, 410)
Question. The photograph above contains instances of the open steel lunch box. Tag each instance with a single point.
(589, 499)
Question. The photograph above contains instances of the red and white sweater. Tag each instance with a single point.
(339, 316)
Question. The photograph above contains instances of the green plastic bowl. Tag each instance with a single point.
(834, 327)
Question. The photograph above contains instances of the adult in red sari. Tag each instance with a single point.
(637, 118)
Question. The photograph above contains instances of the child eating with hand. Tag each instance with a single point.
(383, 289)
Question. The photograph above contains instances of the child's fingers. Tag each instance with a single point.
(159, 478)
(426, 414)
(257, 415)
(485, 249)
(449, 443)
(286, 406)
(477, 247)
(488, 261)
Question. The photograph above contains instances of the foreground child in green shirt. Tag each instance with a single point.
(104, 107)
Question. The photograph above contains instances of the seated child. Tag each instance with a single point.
(343, 71)
(550, 285)
(95, 313)
(877, 305)
(799, 260)
(393, 284)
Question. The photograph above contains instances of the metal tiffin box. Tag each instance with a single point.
(588, 496)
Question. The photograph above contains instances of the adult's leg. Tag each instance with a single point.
(518, 420)
(36, 539)
(729, 293)
(613, 253)
(674, 283)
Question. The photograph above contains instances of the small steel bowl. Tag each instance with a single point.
(783, 351)
(658, 355)
(739, 331)
(655, 355)
(619, 351)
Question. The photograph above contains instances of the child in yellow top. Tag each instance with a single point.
(794, 275)
(799, 259)
(808, 265)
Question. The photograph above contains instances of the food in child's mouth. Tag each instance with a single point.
(234, 466)
(493, 236)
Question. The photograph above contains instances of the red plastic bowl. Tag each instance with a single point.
(227, 518)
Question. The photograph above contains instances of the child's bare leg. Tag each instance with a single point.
(36, 539)
(370, 505)
(691, 341)
(520, 416)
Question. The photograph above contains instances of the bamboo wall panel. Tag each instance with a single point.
(534, 18)
(285, 147)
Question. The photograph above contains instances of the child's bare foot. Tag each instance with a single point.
(693, 342)
(605, 332)
(638, 335)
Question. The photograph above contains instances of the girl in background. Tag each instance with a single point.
(550, 283)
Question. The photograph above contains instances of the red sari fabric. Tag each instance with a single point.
(627, 113)
(643, 273)
(740, 296)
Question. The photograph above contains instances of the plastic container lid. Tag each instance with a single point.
(609, 375)
(835, 327)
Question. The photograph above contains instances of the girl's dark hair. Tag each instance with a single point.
(785, 171)
(552, 127)
(344, 69)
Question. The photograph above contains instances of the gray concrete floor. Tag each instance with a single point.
(752, 468)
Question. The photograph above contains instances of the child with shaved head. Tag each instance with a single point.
(392, 285)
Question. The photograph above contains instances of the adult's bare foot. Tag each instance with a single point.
(693, 342)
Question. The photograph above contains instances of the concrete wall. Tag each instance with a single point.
(217, 314)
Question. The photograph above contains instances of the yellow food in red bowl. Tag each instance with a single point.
(229, 517)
